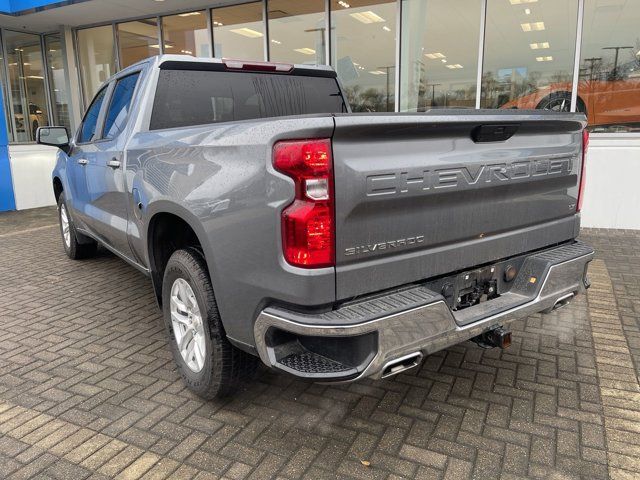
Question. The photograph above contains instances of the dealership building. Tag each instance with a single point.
(390, 55)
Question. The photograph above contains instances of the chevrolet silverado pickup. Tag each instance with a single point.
(275, 224)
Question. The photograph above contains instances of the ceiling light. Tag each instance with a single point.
(444, 60)
(343, 4)
(518, 2)
(247, 32)
(305, 50)
(386, 29)
(376, 72)
(527, 11)
(534, 26)
(190, 14)
(155, 45)
(218, 24)
(367, 17)
(188, 52)
(435, 55)
(536, 46)
(455, 65)
(35, 77)
(277, 42)
(544, 59)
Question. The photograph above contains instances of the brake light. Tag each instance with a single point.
(583, 171)
(231, 64)
(308, 223)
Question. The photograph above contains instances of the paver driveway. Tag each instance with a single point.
(88, 387)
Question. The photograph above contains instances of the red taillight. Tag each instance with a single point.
(231, 64)
(308, 223)
(583, 171)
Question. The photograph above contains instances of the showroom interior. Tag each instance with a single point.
(398, 55)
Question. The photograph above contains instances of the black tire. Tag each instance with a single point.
(560, 102)
(225, 366)
(78, 246)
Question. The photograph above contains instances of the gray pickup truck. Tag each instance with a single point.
(275, 224)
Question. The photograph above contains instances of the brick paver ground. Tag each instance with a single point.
(88, 388)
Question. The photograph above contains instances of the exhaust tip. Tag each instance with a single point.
(562, 301)
(401, 364)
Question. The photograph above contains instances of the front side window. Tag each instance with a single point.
(88, 129)
(119, 107)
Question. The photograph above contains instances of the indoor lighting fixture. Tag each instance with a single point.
(444, 60)
(386, 29)
(544, 59)
(534, 26)
(277, 42)
(455, 65)
(343, 4)
(188, 52)
(376, 72)
(519, 2)
(189, 14)
(367, 17)
(247, 32)
(536, 46)
(218, 24)
(155, 45)
(305, 51)
(434, 55)
(527, 11)
(35, 77)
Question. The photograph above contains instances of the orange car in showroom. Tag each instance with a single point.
(610, 100)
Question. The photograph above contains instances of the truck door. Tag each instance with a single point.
(82, 153)
(107, 207)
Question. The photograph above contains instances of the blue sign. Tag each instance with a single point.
(7, 200)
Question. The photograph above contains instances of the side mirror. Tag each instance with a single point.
(53, 136)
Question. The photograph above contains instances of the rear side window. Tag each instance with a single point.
(88, 129)
(119, 107)
(192, 97)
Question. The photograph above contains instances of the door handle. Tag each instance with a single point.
(83, 161)
(113, 163)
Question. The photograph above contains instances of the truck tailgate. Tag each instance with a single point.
(421, 195)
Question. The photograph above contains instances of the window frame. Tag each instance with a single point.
(115, 82)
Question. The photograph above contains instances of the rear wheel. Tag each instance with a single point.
(209, 365)
(76, 245)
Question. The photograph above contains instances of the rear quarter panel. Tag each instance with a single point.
(220, 179)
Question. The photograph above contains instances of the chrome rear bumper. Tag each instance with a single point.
(413, 322)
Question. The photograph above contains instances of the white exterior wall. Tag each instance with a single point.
(612, 196)
(31, 167)
(612, 191)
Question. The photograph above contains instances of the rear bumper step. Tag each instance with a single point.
(391, 333)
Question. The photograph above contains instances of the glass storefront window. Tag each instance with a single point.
(57, 81)
(186, 33)
(26, 84)
(297, 31)
(609, 81)
(439, 54)
(96, 56)
(238, 32)
(138, 40)
(529, 54)
(364, 52)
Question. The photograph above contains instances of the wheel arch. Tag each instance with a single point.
(58, 188)
(170, 228)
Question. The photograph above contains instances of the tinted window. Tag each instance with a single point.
(119, 106)
(186, 98)
(88, 129)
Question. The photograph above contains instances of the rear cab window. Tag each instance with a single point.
(198, 97)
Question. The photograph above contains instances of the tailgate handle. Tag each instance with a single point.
(493, 133)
